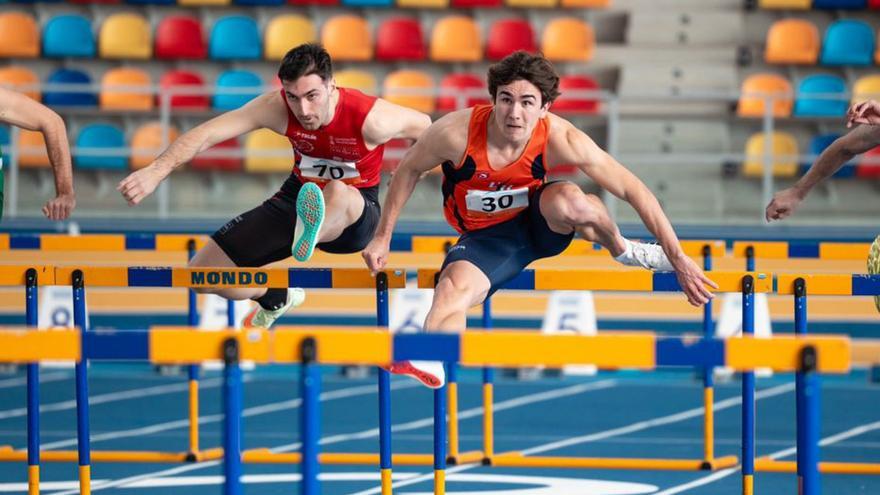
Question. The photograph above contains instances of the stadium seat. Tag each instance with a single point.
(568, 103)
(207, 160)
(423, 4)
(754, 89)
(784, 150)
(152, 2)
(322, 3)
(32, 152)
(530, 4)
(568, 39)
(235, 37)
(810, 104)
(99, 137)
(785, 4)
(468, 4)
(357, 79)
(347, 38)
(207, 3)
(367, 3)
(184, 78)
(19, 77)
(257, 3)
(147, 143)
(268, 143)
(818, 145)
(400, 39)
(180, 37)
(236, 79)
(866, 88)
(20, 35)
(507, 36)
(585, 4)
(874, 4)
(869, 166)
(125, 35)
(4, 136)
(461, 90)
(840, 4)
(76, 98)
(126, 99)
(848, 42)
(792, 41)
(68, 36)
(410, 88)
(285, 32)
(456, 39)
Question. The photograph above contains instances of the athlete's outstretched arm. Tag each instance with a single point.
(387, 121)
(842, 150)
(21, 111)
(437, 144)
(262, 111)
(576, 147)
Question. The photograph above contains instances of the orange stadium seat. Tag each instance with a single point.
(786, 4)
(32, 151)
(751, 102)
(357, 79)
(784, 149)
(461, 90)
(423, 4)
(410, 88)
(18, 78)
(205, 160)
(125, 35)
(146, 143)
(507, 36)
(585, 4)
(20, 35)
(285, 32)
(180, 36)
(456, 38)
(185, 78)
(531, 3)
(468, 4)
(792, 41)
(126, 99)
(400, 39)
(347, 37)
(568, 39)
(269, 144)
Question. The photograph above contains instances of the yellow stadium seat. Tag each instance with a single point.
(456, 39)
(792, 41)
(347, 37)
(146, 144)
(531, 3)
(266, 142)
(285, 32)
(866, 88)
(568, 39)
(32, 151)
(357, 79)
(125, 35)
(18, 78)
(126, 99)
(423, 4)
(20, 35)
(785, 4)
(585, 4)
(751, 100)
(785, 155)
(410, 88)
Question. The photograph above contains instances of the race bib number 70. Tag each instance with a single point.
(492, 202)
(325, 170)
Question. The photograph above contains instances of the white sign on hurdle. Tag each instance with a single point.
(56, 312)
(571, 311)
(730, 325)
(409, 308)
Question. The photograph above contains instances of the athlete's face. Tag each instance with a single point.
(518, 109)
(309, 99)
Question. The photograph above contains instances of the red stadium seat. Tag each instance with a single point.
(180, 37)
(576, 104)
(869, 170)
(205, 160)
(453, 85)
(185, 78)
(509, 35)
(400, 38)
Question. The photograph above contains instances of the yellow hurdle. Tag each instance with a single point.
(516, 459)
(768, 465)
(33, 480)
(708, 424)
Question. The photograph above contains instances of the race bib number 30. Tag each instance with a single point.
(324, 170)
(493, 202)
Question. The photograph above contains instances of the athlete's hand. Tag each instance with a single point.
(138, 185)
(784, 203)
(866, 112)
(60, 207)
(376, 254)
(693, 281)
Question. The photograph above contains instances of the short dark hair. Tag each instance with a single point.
(304, 60)
(530, 67)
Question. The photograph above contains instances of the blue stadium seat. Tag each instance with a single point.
(840, 4)
(98, 137)
(68, 36)
(813, 106)
(235, 37)
(236, 79)
(818, 145)
(75, 98)
(848, 42)
(4, 136)
(368, 3)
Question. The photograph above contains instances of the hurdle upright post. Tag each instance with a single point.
(807, 393)
(82, 384)
(440, 441)
(385, 459)
(488, 399)
(232, 417)
(33, 388)
(748, 390)
(192, 319)
(708, 381)
(310, 416)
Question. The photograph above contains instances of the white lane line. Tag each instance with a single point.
(44, 378)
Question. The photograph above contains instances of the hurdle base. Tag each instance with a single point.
(266, 456)
(108, 456)
(465, 458)
(767, 465)
(516, 459)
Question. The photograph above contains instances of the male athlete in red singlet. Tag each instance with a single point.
(330, 200)
(495, 159)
